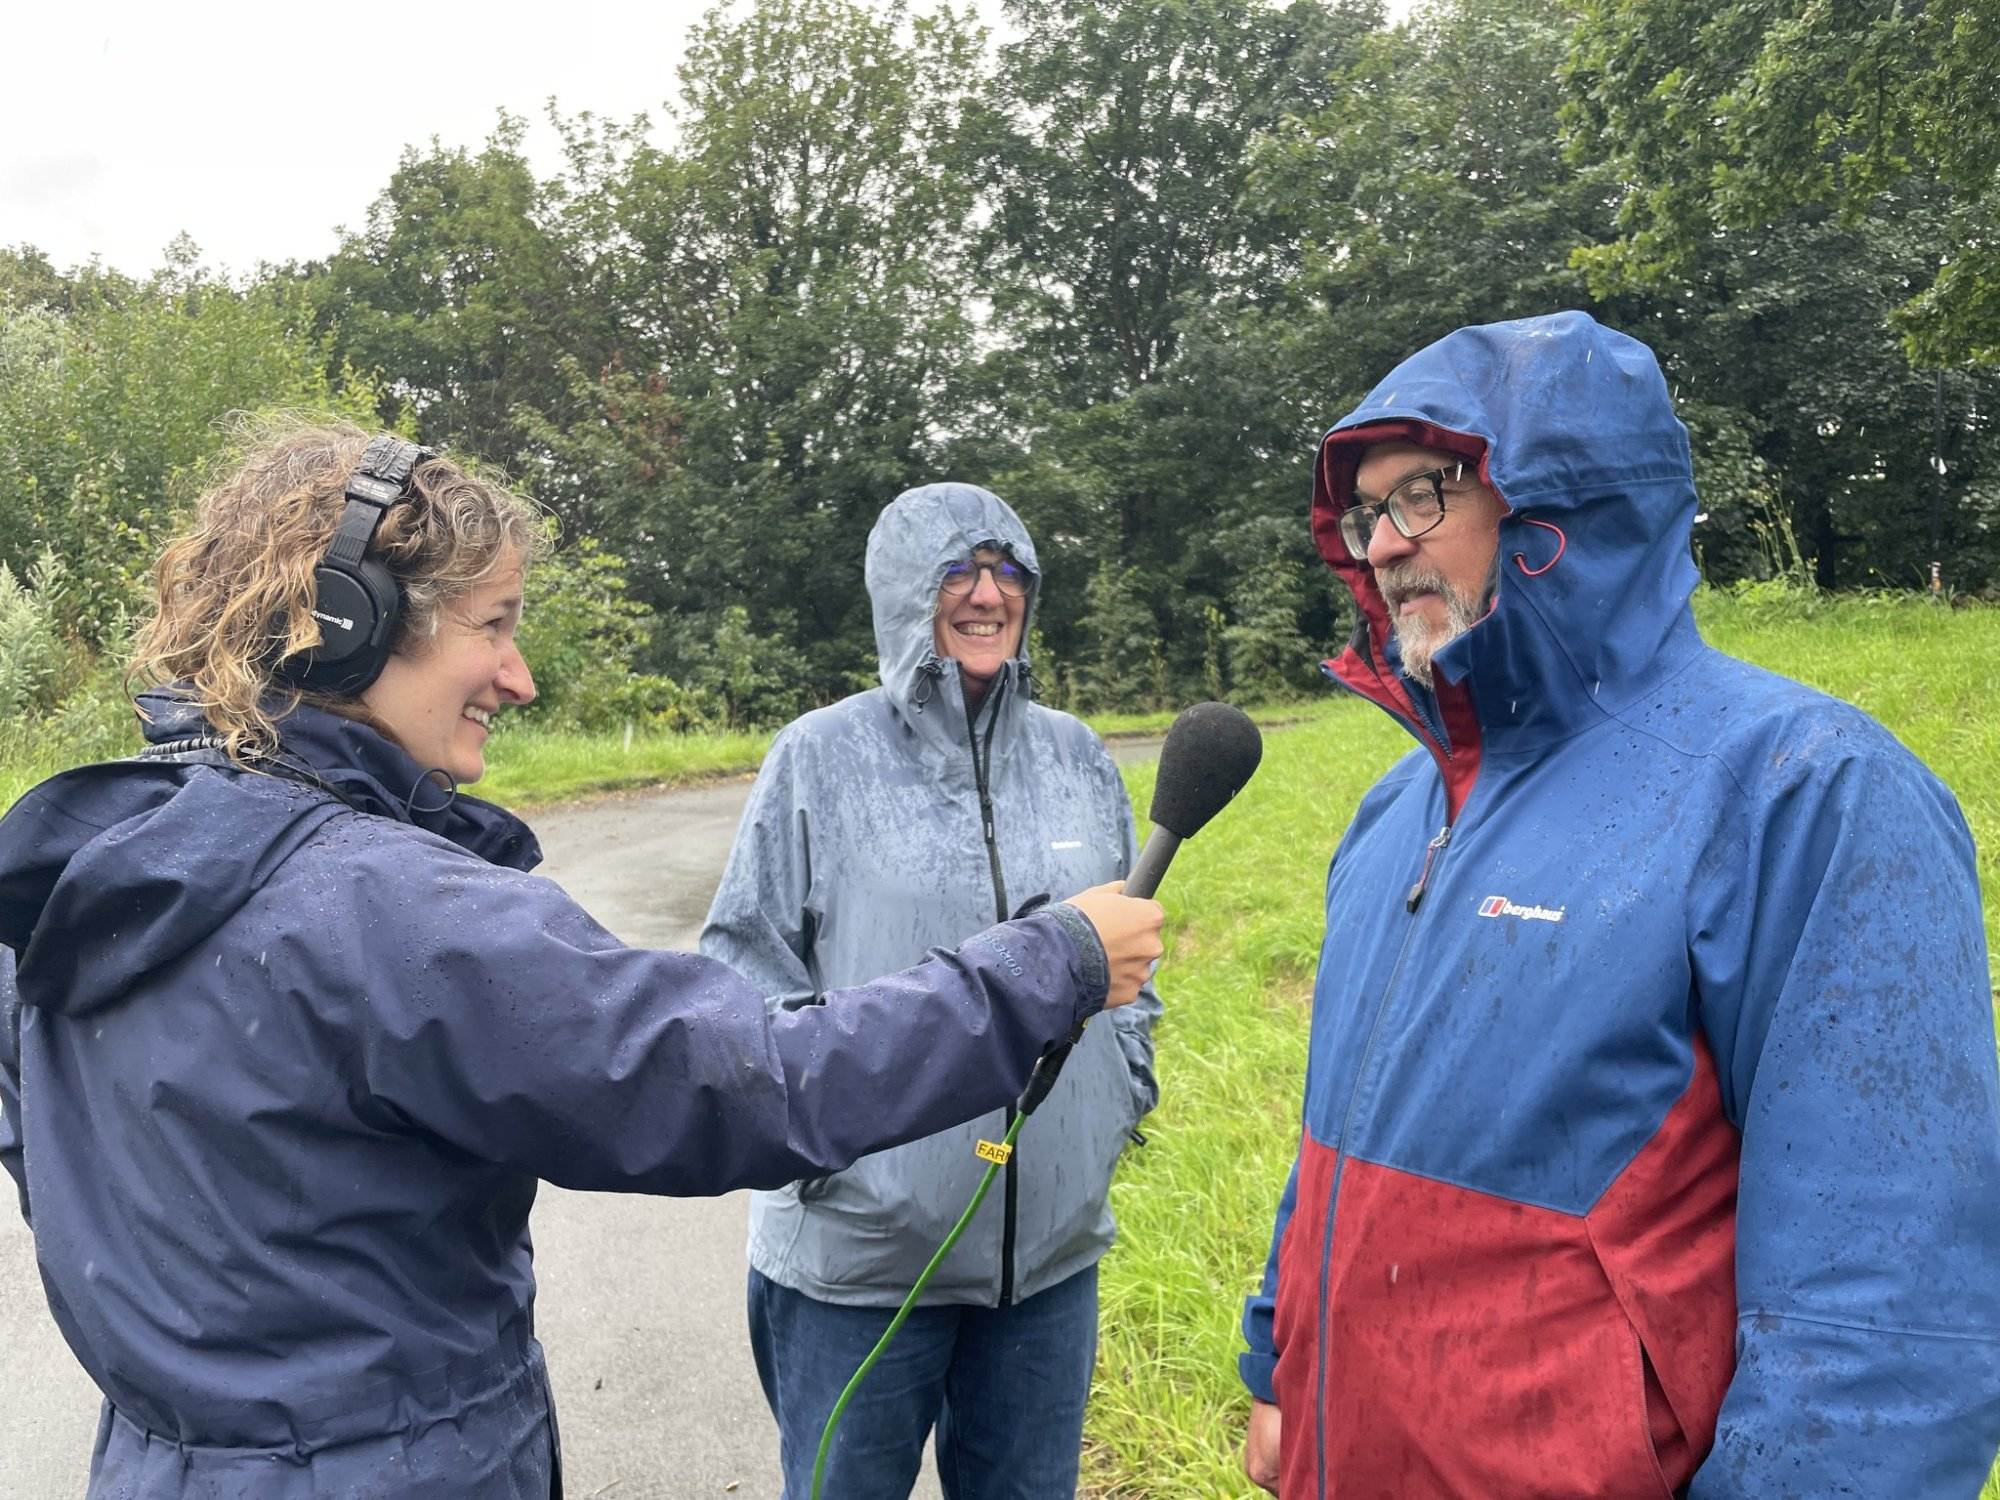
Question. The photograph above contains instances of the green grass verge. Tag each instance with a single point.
(528, 766)
(1245, 902)
(1270, 715)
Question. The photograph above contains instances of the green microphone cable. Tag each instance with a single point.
(995, 1157)
(1210, 752)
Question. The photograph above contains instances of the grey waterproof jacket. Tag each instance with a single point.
(283, 1059)
(886, 824)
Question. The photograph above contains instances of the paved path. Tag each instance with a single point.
(641, 1299)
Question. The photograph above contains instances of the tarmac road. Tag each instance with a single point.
(641, 1299)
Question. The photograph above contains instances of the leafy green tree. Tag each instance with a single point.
(1279, 580)
(1119, 671)
(28, 278)
(1787, 331)
(1438, 192)
(793, 272)
(1731, 117)
(1432, 193)
(468, 291)
(107, 414)
(1117, 151)
(581, 632)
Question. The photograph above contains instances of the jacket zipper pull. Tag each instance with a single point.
(986, 816)
(1424, 876)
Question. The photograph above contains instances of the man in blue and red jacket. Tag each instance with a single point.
(1651, 1141)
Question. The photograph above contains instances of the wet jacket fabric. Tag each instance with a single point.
(284, 1058)
(865, 840)
(1651, 1137)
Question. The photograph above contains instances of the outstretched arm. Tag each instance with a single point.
(527, 1034)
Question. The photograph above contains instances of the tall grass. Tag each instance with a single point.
(94, 723)
(1195, 1205)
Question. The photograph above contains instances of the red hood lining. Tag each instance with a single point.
(1333, 483)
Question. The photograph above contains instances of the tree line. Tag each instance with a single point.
(1121, 264)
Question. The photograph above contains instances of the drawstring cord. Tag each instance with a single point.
(450, 789)
(930, 672)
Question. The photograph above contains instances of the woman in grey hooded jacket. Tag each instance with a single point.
(906, 816)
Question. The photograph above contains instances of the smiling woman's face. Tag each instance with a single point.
(980, 630)
(438, 702)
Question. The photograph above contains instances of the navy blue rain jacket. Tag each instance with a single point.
(282, 1063)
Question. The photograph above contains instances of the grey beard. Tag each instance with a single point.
(1417, 641)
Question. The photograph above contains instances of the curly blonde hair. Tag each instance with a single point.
(233, 593)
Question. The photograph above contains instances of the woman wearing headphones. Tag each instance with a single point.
(293, 1032)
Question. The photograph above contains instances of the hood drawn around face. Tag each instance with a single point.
(1573, 427)
(916, 537)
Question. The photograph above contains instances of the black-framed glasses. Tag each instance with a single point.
(962, 577)
(1413, 507)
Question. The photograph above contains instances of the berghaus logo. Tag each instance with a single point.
(1500, 906)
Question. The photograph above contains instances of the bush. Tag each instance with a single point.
(1121, 669)
(1269, 658)
(610, 699)
(581, 633)
(94, 721)
(758, 680)
(33, 659)
(109, 412)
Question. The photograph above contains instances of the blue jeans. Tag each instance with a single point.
(1005, 1387)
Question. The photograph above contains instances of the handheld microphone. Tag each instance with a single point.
(1211, 751)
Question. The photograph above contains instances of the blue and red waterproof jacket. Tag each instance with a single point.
(1651, 1140)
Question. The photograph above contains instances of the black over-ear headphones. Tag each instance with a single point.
(355, 597)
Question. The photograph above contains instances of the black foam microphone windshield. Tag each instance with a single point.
(1211, 750)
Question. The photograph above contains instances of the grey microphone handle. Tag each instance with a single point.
(1151, 866)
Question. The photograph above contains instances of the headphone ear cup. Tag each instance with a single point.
(359, 609)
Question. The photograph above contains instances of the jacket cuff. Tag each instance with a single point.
(1091, 962)
(1258, 1371)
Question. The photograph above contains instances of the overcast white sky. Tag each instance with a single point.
(259, 129)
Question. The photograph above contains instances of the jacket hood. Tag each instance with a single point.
(1572, 426)
(112, 870)
(917, 535)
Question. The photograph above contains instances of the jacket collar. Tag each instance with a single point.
(368, 772)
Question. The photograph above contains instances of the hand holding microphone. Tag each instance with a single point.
(1129, 929)
(1211, 751)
